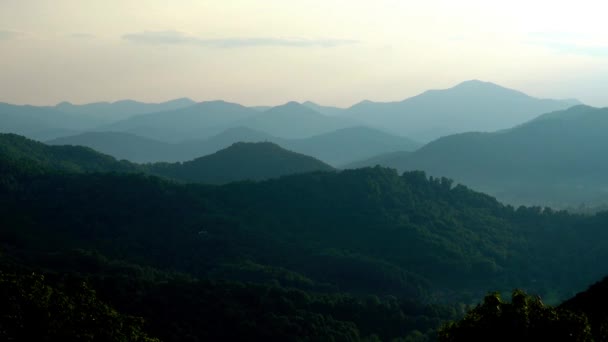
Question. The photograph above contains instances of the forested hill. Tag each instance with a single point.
(240, 161)
(24, 155)
(406, 234)
(553, 160)
(358, 252)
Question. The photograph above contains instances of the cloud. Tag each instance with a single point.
(9, 34)
(180, 38)
(570, 43)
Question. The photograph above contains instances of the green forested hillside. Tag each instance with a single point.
(467, 107)
(19, 154)
(553, 160)
(336, 148)
(34, 310)
(240, 161)
(354, 254)
(583, 317)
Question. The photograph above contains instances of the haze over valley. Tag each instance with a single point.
(303, 171)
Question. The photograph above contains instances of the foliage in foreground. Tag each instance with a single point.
(31, 310)
(525, 318)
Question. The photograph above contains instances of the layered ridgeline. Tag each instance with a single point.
(18, 153)
(552, 160)
(120, 110)
(336, 148)
(470, 106)
(44, 123)
(41, 122)
(241, 161)
(345, 254)
(199, 121)
(466, 107)
(206, 119)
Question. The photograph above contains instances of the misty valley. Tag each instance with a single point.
(475, 212)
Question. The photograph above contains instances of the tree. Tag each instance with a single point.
(526, 318)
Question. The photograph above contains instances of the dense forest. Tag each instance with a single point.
(364, 254)
(550, 160)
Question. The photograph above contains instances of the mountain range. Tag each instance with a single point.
(238, 162)
(494, 147)
(467, 107)
(87, 242)
(554, 159)
(44, 123)
(120, 110)
(336, 148)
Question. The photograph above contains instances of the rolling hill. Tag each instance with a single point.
(42, 123)
(207, 119)
(345, 254)
(336, 148)
(240, 161)
(198, 121)
(381, 159)
(127, 146)
(349, 144)
(28, 156)
(552, 160)
(293, 120)
(46, 123)
(469, 106)
(120, 110)
(326, 110)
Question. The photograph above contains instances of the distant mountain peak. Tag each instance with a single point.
(217, 103)
(363, 103)
(242, 145)
(212, 102)
(181, 100)
(243, 161)
(475, 82)
(290, 104)
(479, 85)
(293, 107)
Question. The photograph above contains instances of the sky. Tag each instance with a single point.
(268, 52)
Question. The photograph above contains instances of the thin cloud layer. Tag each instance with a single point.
(180, 38)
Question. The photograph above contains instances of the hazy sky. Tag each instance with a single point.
(334, 52)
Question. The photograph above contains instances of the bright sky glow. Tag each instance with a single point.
(266, 52)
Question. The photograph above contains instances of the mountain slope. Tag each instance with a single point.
(138, 149)
(41, 123)
(127, 146)
(335, 148)
(120, 110)
(593, 302)
(241, 161)
(326, 110)
(387, 159)
(198, 121)
(469, 106)
(350, 144)
(22, 155)
(554, 159)
(293, 120)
